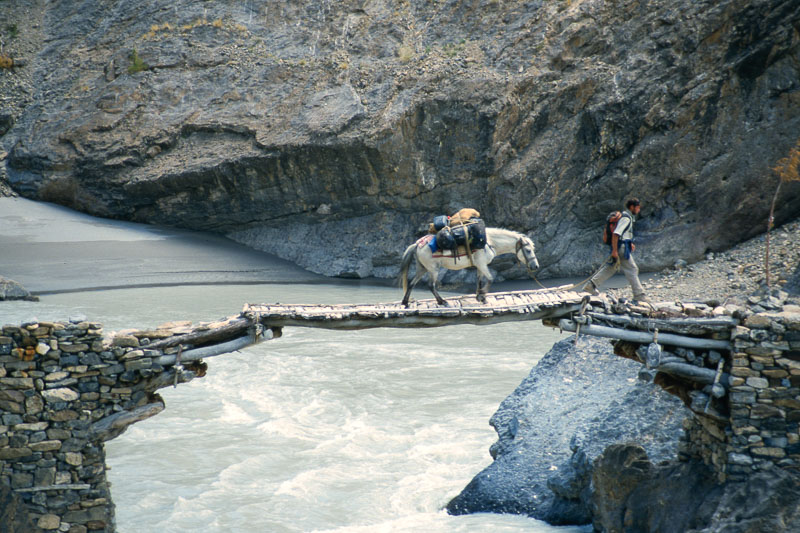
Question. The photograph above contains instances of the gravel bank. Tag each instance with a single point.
(737, 271)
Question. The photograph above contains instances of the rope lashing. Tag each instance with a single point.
(580, 319)
(178, 367)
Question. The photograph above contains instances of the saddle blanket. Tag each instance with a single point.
(461, 252)
(427, 240)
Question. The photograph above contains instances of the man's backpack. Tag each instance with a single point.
(611, 224)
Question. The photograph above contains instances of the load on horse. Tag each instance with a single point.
(458, 235)
(459, 242)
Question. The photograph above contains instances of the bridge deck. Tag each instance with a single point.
(499, 307)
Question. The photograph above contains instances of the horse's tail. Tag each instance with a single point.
(405, 264)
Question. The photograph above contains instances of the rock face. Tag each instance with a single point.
(315, 129)
(558, 421)
(632, 494)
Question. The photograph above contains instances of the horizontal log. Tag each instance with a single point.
(420, 320)
(499, 307)
(114, 425)
(203, 336)
(168, 379)
(645, 337)
(685, 326)
(70, 486)
(215, 349)
(689, 372)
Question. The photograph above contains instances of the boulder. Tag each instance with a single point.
(558, 421)
(11, 290)
(632, 495)
(616, 473)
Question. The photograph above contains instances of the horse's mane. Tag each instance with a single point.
(504, 240)
(509, 232)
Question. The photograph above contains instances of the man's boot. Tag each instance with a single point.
(591, 288)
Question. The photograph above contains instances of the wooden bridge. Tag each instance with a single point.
(681, 344)
(259, 322)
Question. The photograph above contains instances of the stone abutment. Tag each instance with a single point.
(761, 426)
(64, 391)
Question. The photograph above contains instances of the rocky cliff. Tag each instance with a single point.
(331, 132)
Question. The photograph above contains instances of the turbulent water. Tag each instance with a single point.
(357, 431)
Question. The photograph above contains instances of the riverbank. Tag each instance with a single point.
(50, 249)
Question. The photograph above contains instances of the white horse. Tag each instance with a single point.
(498, 242)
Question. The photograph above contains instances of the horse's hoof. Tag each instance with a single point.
(442, 303)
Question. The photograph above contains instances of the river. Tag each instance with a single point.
(334, 431)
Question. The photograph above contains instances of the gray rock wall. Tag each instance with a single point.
(267, 121)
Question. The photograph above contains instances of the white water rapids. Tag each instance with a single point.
(345, 431)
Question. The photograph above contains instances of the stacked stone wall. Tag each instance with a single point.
(53, 376)
(762, 427)
(63, 392)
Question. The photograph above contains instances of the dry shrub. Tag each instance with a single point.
(787, 169)
(6, 61)
(405, 53)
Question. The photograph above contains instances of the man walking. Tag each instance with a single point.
(622, 248)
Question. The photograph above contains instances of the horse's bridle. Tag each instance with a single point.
(523, 247)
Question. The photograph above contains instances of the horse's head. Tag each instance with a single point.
(526, 254)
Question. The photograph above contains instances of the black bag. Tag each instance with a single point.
(440, 222)
(445, 239)
(451, 237)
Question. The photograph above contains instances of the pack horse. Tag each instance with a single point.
(498, 242)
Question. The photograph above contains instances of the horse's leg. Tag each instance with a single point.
(417, 276)
(434, 281)
(483, 274)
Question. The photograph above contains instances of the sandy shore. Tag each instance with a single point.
(49, 248)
